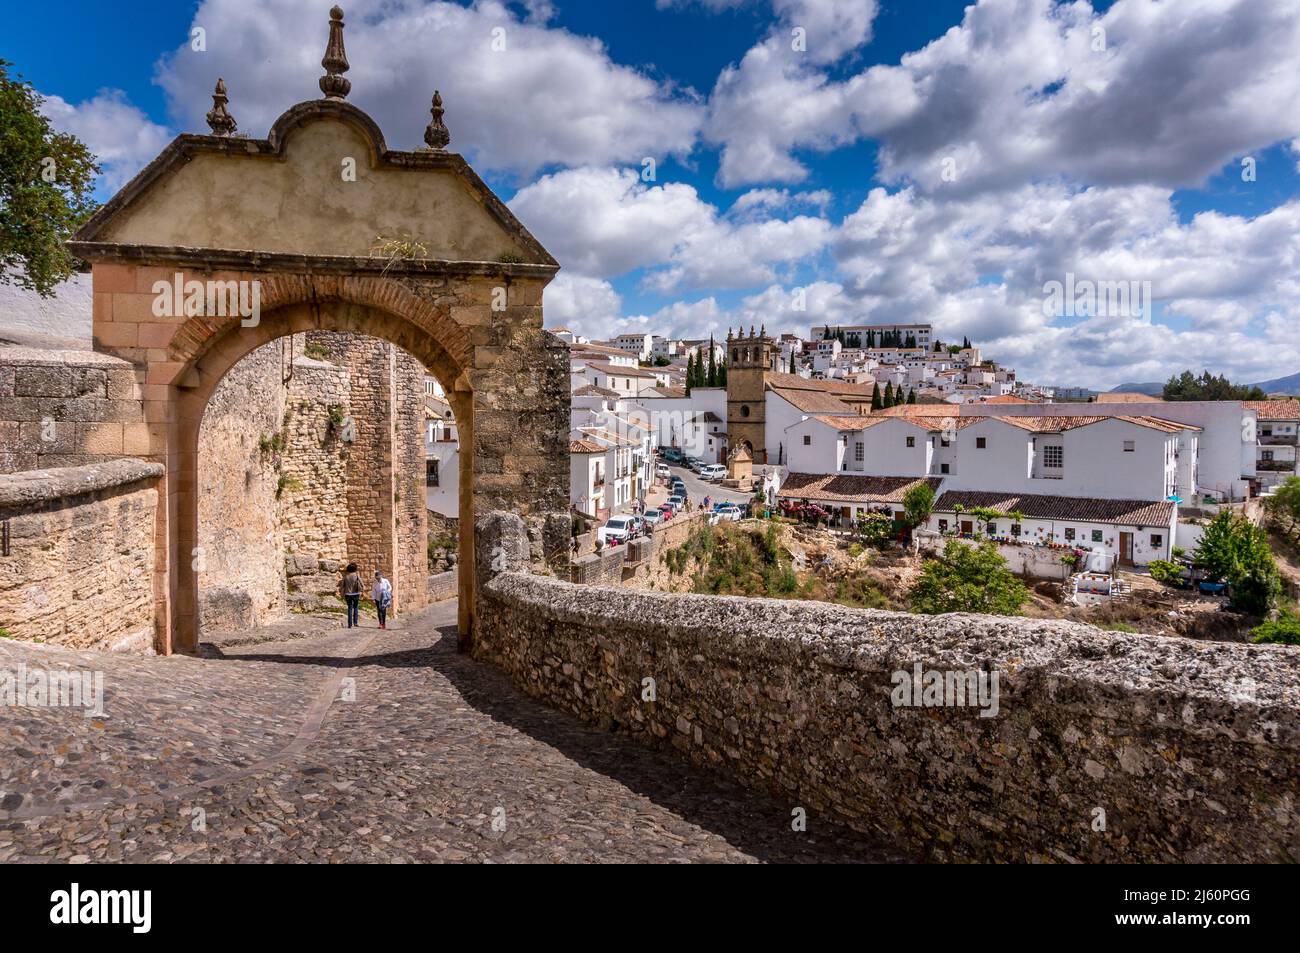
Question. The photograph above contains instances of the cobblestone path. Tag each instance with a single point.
(260, 756)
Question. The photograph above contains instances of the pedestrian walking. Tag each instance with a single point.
(382, 593)
(350, 589)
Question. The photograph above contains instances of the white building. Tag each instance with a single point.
(1277, 436)
(441, 458)
(635, 344)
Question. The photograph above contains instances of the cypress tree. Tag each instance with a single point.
(712, 379)
(911, 396)
(889, 394)
(875, 397)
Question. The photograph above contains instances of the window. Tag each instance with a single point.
(911, 441)
(1053, 456)
(993, 529)
(744, 410)
(807, 440)
(1096, 536)
(431, 472)
(943, 526)
(943, 468)
(1129, 446)
(1157, 541)
(858, 452)
(1015, 529)
(981, 443)
(944, 441)
(1266, 455)
(1069, 534)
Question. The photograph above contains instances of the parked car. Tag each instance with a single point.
(653, 517)
(662, 470)
(713, 471)
(677, 502)
(619, 529)
(696, 464)
(728, 512)
(671, 454)
(666, 510)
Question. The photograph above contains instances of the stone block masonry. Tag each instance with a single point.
(79, 571)
(68, 408)
(1181, 751)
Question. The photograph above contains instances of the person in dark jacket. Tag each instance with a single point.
(351, 588)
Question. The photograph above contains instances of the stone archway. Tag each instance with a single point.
(375, 307)
(215, 223)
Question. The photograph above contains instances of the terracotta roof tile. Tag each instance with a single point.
(585, 446)
(1274, 409)
(1043, 507)
(850, 488)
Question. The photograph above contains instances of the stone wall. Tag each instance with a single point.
(313, 503)
(79, 571)
(1191, 750)
(241, 572)
(410, 515)
(68, 408)
(443, 585)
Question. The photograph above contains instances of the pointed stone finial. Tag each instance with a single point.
(751, 330)
(436, 134)
(335, 61)
(219, 119)
(762, 331)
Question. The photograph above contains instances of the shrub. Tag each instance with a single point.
(1284, 630)
(968, 579)
(1163, 571)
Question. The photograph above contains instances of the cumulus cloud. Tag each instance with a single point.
(122, 137)
(978, 267)
(588, 306)
(1159, 93)
(519, 99)
(606, 222)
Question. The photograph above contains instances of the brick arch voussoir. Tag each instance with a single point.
(193, 338)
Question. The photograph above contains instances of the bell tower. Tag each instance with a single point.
(750, 359)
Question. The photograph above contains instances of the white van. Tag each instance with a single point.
(713, 471)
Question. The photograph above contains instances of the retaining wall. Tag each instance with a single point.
(1181, 750)
(79, 569)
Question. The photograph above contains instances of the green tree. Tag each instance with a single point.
(911, 396)
(1236, 551)
(793, 369)
(918, 503)
(722, 374)
(1187, 386)
(968, 579)
(1284, 506)
(876, 402)
(46, 179)
(711, 379)
(888, 398)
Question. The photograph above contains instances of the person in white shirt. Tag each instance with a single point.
(382, 593)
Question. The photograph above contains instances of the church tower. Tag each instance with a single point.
(750, 359)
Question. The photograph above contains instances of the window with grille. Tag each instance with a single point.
(858, 452)
(431, 472)
(1053, 456)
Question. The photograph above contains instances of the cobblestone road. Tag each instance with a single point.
(260, 756)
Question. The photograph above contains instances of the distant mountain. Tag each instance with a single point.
(1282, 385)
(1150, 388)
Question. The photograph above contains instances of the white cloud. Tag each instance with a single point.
(605, 222)
(122, 137)
(588, 306)
(977, 267)
(1022, 90)
(549, 98)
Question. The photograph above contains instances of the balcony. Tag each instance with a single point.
(1279, 440)
(1276, 466)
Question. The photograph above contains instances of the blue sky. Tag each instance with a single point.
(913, 161)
